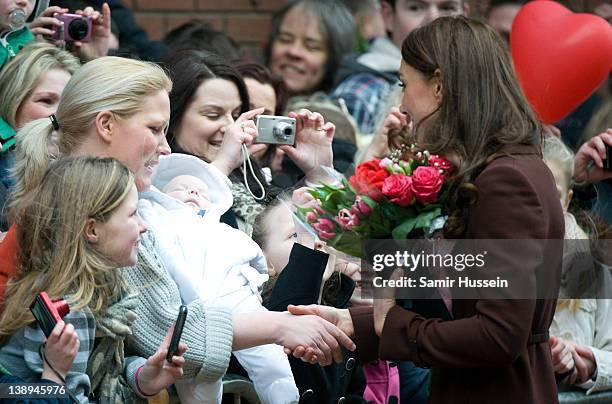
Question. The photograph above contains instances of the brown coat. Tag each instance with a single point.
(487, 353)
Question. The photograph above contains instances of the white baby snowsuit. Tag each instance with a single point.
(217, 264)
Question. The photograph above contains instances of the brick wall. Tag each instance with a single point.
(240, 19)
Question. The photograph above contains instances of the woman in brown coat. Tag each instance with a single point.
(463, 98)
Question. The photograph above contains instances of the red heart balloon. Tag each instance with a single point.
(560, 57)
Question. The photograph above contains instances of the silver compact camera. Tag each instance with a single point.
(275, 129)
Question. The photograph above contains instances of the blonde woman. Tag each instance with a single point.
(31, 86)
(74, 235)
(120, 108)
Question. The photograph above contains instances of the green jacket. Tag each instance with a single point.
(10, 44)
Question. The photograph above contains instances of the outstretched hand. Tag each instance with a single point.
(314, 339)
(157, 373)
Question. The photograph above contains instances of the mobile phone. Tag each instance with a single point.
(47, 312)
(177, 332)
(607, 163)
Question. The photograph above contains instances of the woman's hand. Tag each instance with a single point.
(585, 364)
(100, 34)
(561, 353)
(381, 309)
(341, 318)
(313, 143)
(594, 149)
(379, 147)
(157, 373)
(242, 131)
(313, 339)
(60, 350)
(44, 26)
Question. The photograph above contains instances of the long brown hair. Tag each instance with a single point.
(483, 107)
(54, 255)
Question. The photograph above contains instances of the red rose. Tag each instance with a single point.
(398, 188)
(440, 162)
(368, 179)
(426, 183)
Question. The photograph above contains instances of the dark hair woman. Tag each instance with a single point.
(464, 100)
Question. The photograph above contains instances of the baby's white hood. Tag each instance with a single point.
(176, 164)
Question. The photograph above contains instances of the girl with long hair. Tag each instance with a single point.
(74, 235)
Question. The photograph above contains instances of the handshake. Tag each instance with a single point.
(315, 333)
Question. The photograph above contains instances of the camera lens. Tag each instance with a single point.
(77, 29)
(282, 131)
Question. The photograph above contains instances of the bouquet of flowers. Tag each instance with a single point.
(389, 198)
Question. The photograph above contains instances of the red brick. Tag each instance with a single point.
(152, 23)
(172, 5)
(248, 29)
(177, 20)
(239, 5)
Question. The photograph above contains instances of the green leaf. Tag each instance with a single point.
(403, 229)
(348, 242)
(424, 219)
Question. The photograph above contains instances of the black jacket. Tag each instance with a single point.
(300, 283)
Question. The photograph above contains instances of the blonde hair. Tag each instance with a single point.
(556, 152)
(54, 254)
(21, 76)
(109, 83)
(568, 304)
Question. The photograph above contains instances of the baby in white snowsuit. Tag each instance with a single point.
(215, 263)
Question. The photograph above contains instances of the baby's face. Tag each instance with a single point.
(6, 6)
(189, 189)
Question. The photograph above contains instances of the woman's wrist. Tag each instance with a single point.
(138, 385)
(48, 374)
(222, 166)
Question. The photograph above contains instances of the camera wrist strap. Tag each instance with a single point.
(246, 159)
(41, 352)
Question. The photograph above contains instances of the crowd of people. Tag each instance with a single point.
(132, 183)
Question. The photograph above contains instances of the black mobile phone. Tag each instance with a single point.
(607, 163)
(177, 332)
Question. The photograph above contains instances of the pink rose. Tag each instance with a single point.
(347, 219)
(440, 162)
(360, 207)
(325, 228)
(311, 217)
(398, 189)
(426, 183)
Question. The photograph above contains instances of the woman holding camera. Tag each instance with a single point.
(79, 261)
(208, 96)
(127, 121)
